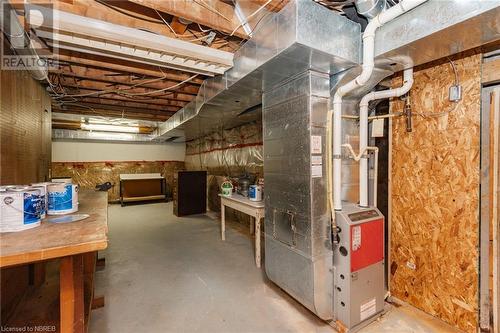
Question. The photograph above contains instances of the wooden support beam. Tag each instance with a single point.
(274, 5)
(211, 13)
(113, 64)
(124, 13)
(491, 72)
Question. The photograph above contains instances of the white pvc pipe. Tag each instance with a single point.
(367, 69)
(359, 157)
(363, 128)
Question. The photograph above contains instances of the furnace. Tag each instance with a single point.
(359, 265)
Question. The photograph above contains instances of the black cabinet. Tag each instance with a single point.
(190, 193)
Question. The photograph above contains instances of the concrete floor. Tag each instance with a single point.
(170, 274)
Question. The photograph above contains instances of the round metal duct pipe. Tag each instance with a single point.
(370, 8)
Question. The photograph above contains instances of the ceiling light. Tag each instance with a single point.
(93, 35)
(111, 136)
(109, 128)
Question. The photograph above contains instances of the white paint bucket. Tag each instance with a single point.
(44, 195)
(19, 209)
(43, 200)
(4, 188)
(255, 193)
(62, 198)
(63, 180)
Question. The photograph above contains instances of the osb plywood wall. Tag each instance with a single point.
(89, 174)
(25, 143)
(435, 196)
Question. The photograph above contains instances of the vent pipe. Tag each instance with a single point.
(370, 8)
(367, 69)
(363, 131)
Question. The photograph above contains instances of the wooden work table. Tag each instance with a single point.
(244, 205)
(75, 245)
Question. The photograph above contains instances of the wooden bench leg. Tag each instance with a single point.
(71, 294)
(257, 241)
(223, 221)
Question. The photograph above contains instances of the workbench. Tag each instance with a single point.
(74, 245)
(253, 208)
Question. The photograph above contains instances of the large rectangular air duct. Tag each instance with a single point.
(299, 255)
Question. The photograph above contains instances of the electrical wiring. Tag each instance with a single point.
(123, 91)
(164, 89)
(131, 87)
(176, 34)
(454, 71)
(249, 17)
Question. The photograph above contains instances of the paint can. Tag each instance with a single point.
(4, 188)
(44, 194)
(43, 199)
(255, 193)
(226, 188)
(62, 180)
(62, 198)
(19, 209)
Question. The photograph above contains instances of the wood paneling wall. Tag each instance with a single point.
(25, 129)
(25, 153)
(435, 195)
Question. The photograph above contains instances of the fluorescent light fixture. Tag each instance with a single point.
(114, 40)
(109, 128)
(111, 136)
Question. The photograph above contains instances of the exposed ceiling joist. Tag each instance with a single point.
(145, 104)
(274, 5)
(95, 75)
(98, 37)
(75, 89)
(130, 104)
(215, 14)
(122, 13)
(111, 87)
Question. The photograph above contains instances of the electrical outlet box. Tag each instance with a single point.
(455, 93)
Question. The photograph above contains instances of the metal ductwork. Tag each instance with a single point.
(292, 41)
